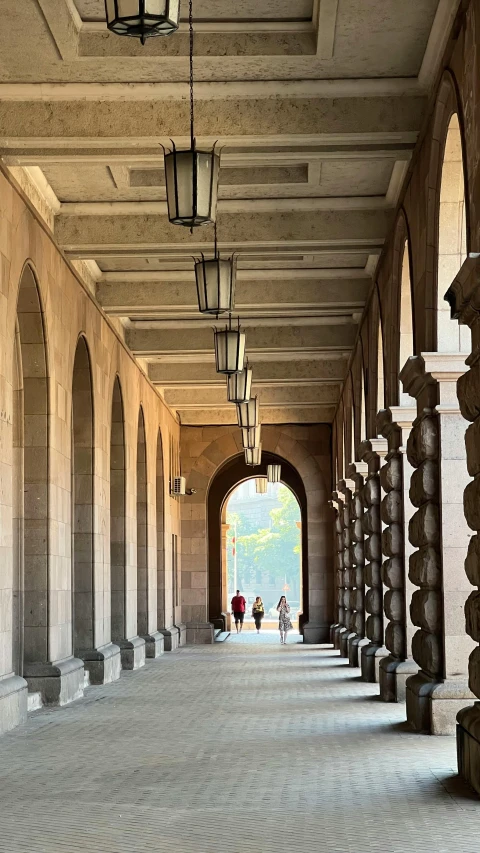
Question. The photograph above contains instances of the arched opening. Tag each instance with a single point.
(227, 478)
(83, 584)
(452, 240)
(262, 551)
(117, 517)
(142, 530)
(30, 481)
(164, 584)
(406, 320)
(380, 369)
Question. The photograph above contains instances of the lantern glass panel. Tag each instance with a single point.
(215, 285)
(251, 437)
(248, 414)
(261, 486)
(274, 473)
(229, 350)
(240, 386)
(191, 179)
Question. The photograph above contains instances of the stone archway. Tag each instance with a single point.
(306, 450)
(233, 472)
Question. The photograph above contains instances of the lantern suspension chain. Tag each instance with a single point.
(192, 110)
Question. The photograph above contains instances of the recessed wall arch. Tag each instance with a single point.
(142, 528)
(118, 581)
(165, 616)
(83, 450)
(30, 478)
(448, 225)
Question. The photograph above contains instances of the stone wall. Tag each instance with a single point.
(41, 325)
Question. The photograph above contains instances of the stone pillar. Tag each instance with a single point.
(464, 298)
(345, 487)
(357, 472)
(339, 627)
(439, 532)
(396, 509)
(372, 653)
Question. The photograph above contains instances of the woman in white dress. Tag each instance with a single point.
(284, 623)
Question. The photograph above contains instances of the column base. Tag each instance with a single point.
(393, 678)
(58, 683)
(344, 640)
(182, 634)
(171, 638)
(432, 706)
(103, 665)
(315, 633)
(153, 644)
(13, 702)
(468, 745)
(333, 628)
(132, 653)
(337, 638)
(200, 634)
(353, 650)
(372, 655)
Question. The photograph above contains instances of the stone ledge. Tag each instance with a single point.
(13, 702)
(58, 683)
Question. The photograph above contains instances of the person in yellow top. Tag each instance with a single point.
(258, 612)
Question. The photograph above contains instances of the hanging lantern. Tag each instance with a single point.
(191, 179)
(253, 456)
(191, 175)
(229, 349)
(215, 280)
(274, 473)
(142, 18)
(239, 386)
(261, 485)
(251, 437)
(248, 414)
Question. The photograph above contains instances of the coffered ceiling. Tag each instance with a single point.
(316, 105)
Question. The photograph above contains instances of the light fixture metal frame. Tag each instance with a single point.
(252, 437)
(253, 457)
(261, 485)
(239, 386)
(143, 24)
(229, 357)
(248, 414)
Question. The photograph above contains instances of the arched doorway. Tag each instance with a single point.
(233, 472)
(82, 503)
(261, 549)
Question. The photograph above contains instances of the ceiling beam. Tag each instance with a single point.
(326, 368)
(149, 342)
(240, 230)
(269, 415)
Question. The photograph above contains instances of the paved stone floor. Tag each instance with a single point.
(243, 746)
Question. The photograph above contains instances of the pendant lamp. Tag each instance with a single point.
(191, 174)
(215, 280)
(261, 485)
(248, 414)
(229, 349)
(274, 473)
(251, 437)
(239, 386)
(142, 18)
(253, 456)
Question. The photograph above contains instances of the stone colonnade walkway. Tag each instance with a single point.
(238, 747)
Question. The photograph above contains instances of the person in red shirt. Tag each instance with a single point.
(238, 610)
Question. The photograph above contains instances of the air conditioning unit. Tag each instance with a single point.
(179, 486)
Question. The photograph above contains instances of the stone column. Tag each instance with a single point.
(395, 424)
(464, 298)
(439, 532)
(345, 487)
(372, 653)
(224, 578)
(357, 471)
